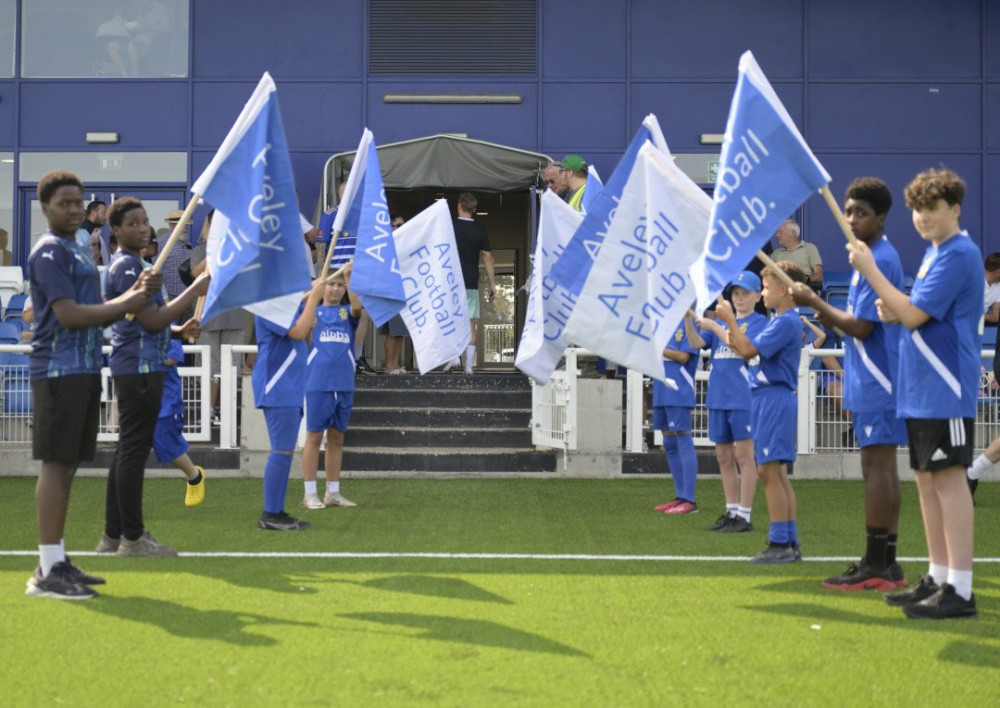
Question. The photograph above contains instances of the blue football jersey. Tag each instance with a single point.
(331, 358)
(134, 349)
(780, 347)
(682, 374)
(279, 372)
(729, 379)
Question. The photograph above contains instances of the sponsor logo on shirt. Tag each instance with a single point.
(334, 335)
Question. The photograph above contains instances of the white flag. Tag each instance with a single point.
(436, 312)
(639, 287)
(549, 304)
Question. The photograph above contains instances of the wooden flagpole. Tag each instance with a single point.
(838, 214)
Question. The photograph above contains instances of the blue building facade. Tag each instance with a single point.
(877, 87)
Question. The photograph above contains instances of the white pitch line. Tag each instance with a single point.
(481, 556)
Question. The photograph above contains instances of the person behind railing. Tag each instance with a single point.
(672, 416)
(991, 311)
(395, 329)
(728, 403)
(773, 356)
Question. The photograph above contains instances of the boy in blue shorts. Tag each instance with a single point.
(168, 436)
(65, 368)
(728, 404)
(937, 385)
(773, 355)
(672, 415)
(330, 390)
(279, 387)
(870, 380)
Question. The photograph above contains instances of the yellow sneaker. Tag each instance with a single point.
(195, 493)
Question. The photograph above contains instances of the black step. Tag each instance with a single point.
(360, 438)
(387, 461)
(441, 418)
(440, 398)
(448, 382)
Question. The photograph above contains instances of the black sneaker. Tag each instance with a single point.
(896, 573)
(280, 522)
(720, 522)
(973, 485)
(861, 576)
(775, 553)
(924, 588)
(943, 604)
(361, 366)
(58, 584)
(83, 577)
(737, 524)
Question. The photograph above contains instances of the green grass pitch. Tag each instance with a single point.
(245, 617)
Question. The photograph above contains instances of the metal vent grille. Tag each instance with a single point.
(492, 37)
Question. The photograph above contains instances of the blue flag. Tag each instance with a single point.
(255, 247)
(766, 171)
(375, 277)
(571, 270)
(594, 187)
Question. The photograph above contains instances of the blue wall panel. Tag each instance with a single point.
(290, 40)
(316, 115)
(896, 171)
(685, 111)
(864, 39)
(895, 116)
(509, 124)
(993, 116)
(705, 39)
(587, 39)
(580, 116)
(993, 41)
(147, 115)
(991, 235)
(7, 138)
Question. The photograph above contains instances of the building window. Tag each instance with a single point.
(104, 39)
(481, 37)
(8, 17)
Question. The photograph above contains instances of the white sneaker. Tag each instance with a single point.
(336, 499)
(311, 501)
(451, 365)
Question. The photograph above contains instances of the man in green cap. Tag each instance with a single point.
(574, 171)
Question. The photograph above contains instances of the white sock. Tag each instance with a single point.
(979, 465)
(359, 349)
(49, 555)
(310, 488)
(938, 573)
(333, 487)
(731, 509)
(470, 356)
(743, 512)
(961, 580)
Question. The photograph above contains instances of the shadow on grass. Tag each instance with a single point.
(185, 621)
(432, 586)
(468, 631)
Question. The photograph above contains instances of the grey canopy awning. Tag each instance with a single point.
(444, 162)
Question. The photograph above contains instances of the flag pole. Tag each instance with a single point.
(778, 272)
(174, 238)
(329, 253)
(838, 214)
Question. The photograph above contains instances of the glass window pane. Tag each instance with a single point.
(108, 167)
(104, 38)
(6, 207)
(8, 14)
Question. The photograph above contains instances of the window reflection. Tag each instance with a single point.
(104, 38)
(6, 208)
(8, 14)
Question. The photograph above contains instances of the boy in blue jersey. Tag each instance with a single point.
(773, 354)
(728, 404)
(330, 389)
(168, 437)
(137, 363)
(672, 415)
(279, 385)
(870, 375)
(65, 369)
(937, 385)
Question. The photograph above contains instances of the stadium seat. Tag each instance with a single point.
(10, 333)
(989, 338)
(838, 300)
(17, 398)
(15, 306)
(837, 280)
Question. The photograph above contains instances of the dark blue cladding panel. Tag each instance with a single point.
(509, 124)
(991, 236)
(580, 116)
(306, 40)
(7, 114)
(586, 39)
(895, 116)
(705, 39)
(315, 115)
(993, 116)
(858, 39)
(147, 116)
(685, 111)
(992, 46)
(896, 171)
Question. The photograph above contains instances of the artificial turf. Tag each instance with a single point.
(471, 631)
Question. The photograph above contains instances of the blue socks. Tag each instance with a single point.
(683, 463)
(276, 472)
(784, 533)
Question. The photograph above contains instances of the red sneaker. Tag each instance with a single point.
(683, 507)
(664, 507)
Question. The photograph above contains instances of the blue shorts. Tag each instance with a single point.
(283, 426)
(672, 419)
(725, 426)
(168, 438)
(774, 418)
(328, 409)
(879, 428)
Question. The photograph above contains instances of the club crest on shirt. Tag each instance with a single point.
(743, 327)
(334, 335)
(679, 335)
(924, 267)
(855, 278)
(343, 313)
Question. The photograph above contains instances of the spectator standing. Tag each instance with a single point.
(471, 240)
(573, 169)
(555, 181)
(805, 255)
(395, 329)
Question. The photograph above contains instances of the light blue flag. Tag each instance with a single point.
(375, 277)
(571, 270)
(255, 247)
(594, 187)
(766, 171)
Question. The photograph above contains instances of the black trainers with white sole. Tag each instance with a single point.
(59, 584)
